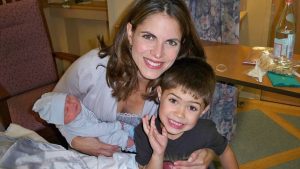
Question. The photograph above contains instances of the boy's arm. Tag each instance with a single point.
(228, 159)
(158, 143)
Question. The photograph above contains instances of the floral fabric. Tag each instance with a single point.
(223, 109)
(218, 21)
(129, 118)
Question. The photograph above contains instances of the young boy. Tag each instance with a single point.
(185, 92)
(68, 112)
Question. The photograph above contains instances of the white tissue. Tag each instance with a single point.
(257, 73)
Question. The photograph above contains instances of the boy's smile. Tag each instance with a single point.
(179, 110)
(175, 124)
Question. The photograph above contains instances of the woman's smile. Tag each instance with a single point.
(153, 64)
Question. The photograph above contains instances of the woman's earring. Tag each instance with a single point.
(130, 48)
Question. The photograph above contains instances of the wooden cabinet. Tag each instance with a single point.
(74, 28)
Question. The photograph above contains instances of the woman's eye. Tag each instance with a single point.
(148, 36)
(172, 42)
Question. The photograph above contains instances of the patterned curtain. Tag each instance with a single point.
(218, 21)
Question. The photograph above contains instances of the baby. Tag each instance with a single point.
(68, 112)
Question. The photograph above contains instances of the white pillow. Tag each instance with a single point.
(16, 131)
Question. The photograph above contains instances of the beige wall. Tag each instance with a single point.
(115, 10)
(78, 36)
(254, 29)
(257, 28)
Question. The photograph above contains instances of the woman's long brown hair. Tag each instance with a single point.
(121, 69)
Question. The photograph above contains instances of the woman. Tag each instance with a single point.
(116, 83)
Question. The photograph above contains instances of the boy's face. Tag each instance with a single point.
(179, 111)
(72, 108)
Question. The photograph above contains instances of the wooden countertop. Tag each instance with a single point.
(232, 56)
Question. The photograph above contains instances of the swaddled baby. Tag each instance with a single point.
(68, 112)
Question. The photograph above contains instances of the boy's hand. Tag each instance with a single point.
(158, 141)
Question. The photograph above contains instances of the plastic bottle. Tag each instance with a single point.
(285, 32)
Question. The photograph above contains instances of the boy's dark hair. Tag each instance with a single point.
(192, 74)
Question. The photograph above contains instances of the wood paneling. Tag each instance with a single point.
(279, 98)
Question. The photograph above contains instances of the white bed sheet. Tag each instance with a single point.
(23, 148)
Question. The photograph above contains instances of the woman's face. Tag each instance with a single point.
(155, 44)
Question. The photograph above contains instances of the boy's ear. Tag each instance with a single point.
(159, 92)
(205, 110)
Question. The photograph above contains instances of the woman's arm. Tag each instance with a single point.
(92, 146)
(79, 80)
(155, 162)
(199, 159)
(228, 159)
(87, 145)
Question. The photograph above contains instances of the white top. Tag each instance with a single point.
(86, 79)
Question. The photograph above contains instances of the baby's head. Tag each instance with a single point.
(57, 108)
(72, 108)
(185, 91)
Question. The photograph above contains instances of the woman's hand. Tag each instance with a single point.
(92, 146)
(158, 141)
(199, 159)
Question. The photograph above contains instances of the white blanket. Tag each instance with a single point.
(27, 150)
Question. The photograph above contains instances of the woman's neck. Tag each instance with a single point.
(135, 101)
(142, 83)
